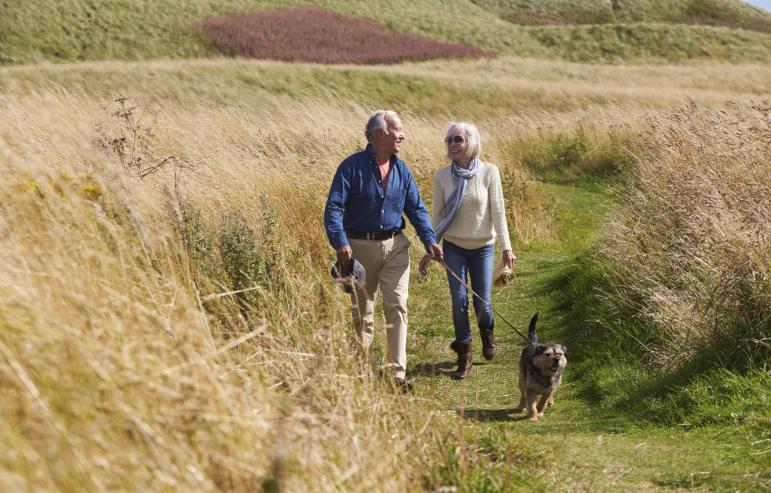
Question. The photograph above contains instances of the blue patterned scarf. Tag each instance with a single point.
(452, 206)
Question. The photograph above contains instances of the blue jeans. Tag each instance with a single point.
(477, 264)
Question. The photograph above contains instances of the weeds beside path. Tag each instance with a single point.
(577, 446)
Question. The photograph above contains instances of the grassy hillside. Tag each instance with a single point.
(727, 13)
(121, 29)
(503, 88)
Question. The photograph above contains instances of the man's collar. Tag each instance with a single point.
(370, 154)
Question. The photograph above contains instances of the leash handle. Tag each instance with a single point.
(486, 302)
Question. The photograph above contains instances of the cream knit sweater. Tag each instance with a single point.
(481, 217)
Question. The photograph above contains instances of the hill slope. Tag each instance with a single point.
(118, 29)
(726, 13)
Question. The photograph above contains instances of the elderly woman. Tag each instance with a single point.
(468, 213)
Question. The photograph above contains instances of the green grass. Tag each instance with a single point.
(710, 434)
(717, 386)
(72, 30)
(255, 84)
(251, 84)
(651, 41)
(729, 13)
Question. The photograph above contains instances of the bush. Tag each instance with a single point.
(678, 297)
(313, 34)
(693, 241)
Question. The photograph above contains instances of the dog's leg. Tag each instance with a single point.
(543, 402)
(522, 404)
(532, 411)
(550, 401)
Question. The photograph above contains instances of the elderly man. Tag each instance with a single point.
(370, 192)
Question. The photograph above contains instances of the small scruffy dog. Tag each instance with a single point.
(540, 373)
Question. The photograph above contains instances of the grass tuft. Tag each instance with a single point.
(676, 300)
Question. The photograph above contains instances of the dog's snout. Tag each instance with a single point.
(556, 360)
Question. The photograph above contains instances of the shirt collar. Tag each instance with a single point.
(370, 155)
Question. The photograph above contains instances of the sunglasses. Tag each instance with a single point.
(457, 139)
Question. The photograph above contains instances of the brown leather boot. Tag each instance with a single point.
(464, 359)
(489, 347)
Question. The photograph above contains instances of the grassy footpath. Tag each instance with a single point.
(577, 446)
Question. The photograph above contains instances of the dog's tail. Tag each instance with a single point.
(532, 337)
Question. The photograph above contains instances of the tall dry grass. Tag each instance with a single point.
(127, 361)
(122, 368)
(691, 251)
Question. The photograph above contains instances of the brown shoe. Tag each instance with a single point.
(489, 347)
(403, 384)
(464, 352)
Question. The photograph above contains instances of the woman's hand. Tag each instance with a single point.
(424, 263)
(509, 259)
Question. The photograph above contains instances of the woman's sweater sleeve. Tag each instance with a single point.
(498, 211)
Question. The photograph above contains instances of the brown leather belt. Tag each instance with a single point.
(376, 236)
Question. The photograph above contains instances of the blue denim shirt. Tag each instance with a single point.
(356, 201)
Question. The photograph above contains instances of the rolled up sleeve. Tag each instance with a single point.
(498, 210)
(335, 208)
(417, 213)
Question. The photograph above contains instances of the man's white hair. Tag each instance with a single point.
(379, 119)
(471, 132)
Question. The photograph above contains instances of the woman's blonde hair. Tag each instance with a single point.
(472, 136)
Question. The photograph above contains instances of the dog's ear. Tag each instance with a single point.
(539, 350)
(564, 350)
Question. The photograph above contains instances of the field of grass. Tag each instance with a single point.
(727, 13)
(74, 30)
(176, 328)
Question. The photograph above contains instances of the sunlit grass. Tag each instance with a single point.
(128, 361)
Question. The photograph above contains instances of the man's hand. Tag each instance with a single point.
(344, 256)
(424, 263)
(436, 252)
(509, 259)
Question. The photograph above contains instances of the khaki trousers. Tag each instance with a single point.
(387, 265)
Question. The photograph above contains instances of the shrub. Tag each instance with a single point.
(677, 299)
(313, 34)
(579, 154)
(693, 243)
